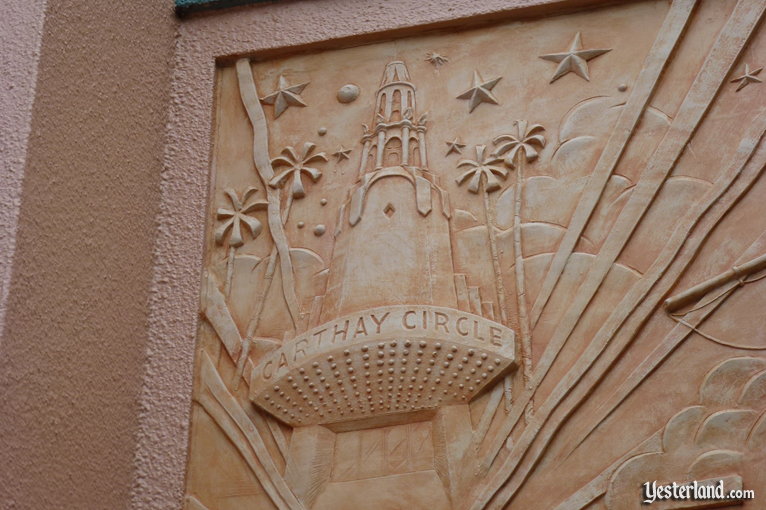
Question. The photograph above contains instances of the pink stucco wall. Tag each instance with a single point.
(20, 36)
(97, 349)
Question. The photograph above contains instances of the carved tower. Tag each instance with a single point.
(391, 246)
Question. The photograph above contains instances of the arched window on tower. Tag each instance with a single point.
(414, 152)
(396, 106)
(392, 155)
(382, 104)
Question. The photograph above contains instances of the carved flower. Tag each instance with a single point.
(238, 216)
(485, 167)
(523, 141)
(296, 165)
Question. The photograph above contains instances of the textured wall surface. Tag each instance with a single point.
(94, 383)
(75, 334)
(19, 52)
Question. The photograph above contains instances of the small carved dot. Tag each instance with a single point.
(319, 230)
(622, 87)
(348, 93)
(323, 202)
(322, 131)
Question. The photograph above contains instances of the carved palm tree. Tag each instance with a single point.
(234, 220)
(482, 176)
(519, 148)
(295, 167)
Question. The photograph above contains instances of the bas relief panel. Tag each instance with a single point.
(516, 266)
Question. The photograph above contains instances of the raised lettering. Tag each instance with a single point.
(340, 332)
(406, 324)
(318, 336)
(379, 322)
(361, 329)
(476, 331)
(267, 372)
(458, 327)
(299, 345)
(495, 334)
(441, 320)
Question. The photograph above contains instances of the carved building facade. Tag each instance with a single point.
(501, 254)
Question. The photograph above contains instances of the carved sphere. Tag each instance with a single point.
(319, 230)
(348, 93)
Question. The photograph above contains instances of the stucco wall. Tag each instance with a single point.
(20, 38)
(97, 351)
(76, 323)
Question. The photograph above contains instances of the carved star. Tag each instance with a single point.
(436, 59)
(480, 92)
(454, 146)
(342, 154)
(575, 60)
(285, 96)
(747, 78)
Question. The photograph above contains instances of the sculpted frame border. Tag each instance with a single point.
(202, 42)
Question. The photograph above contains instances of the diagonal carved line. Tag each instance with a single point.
(489, 412)
(257, 118)
(229, 415)
(746, 158)
(598, 486)
(193, 503)
(669, 343)
(614, 324)
(278, 435)
(732, 39)
(667, 39)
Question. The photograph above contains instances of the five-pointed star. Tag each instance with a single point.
(573, 60)
(480, 92)
(454, 146)
(747, 78)
(285, 96)
(342, 153)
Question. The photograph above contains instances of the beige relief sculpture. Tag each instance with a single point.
(518, 266)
